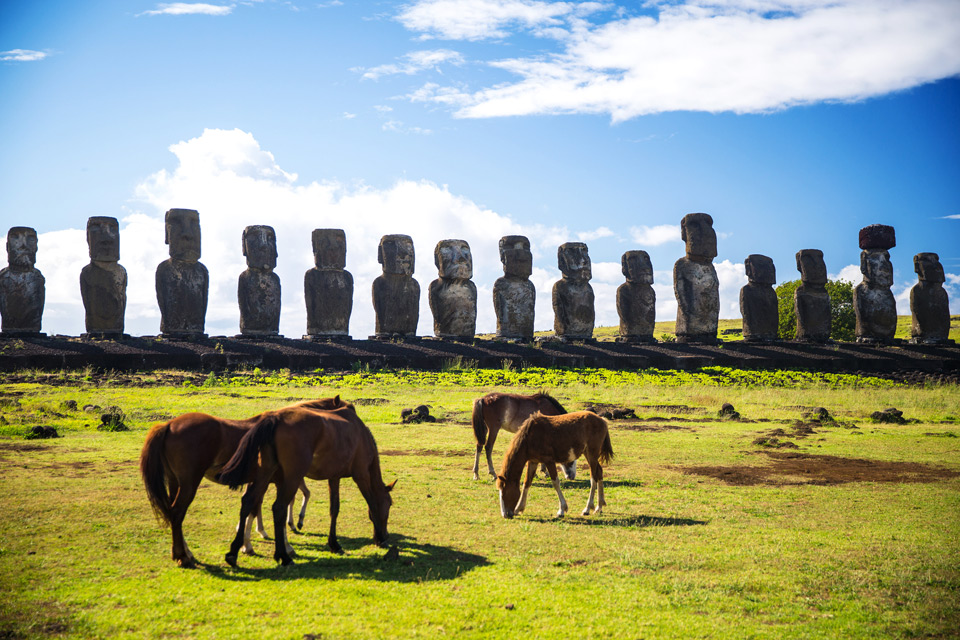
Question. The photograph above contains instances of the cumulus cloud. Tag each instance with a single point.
(655, 236)
(489, 19)
(189, 8)
(22, 55)
(415, 62)
(742, 56)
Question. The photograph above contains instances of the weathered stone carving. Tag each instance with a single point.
(328, 289)
(396, 295)
(573, 310)
(695, 281)
(182, 281)
(873, 301)
(758, 300)
(103, 282)
(258, 288)
(514, 296)
(453, 296)
(929, 304)
(22, 286)
(636, 299)
(811, 300)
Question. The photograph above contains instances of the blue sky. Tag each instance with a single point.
(794, 123)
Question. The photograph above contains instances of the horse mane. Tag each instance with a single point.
(235, 472)
(543, 395)
(519, 440)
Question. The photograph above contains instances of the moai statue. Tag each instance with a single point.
(811, 302)
(929, 304)
(695, 281)
(873, 302)
(258, 289)
(758, 300)
(396, 295)
(103, 282)
(22, 286)
(636, 299)
(453, 296)
(514, 296)
(182, 280)
(573, 311)
(327, 288)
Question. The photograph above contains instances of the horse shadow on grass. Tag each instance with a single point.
(405, 561)
(621, 521)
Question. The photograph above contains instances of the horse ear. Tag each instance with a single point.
(336, 399)
(391, 485)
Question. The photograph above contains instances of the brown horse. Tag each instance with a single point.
(551, 440)
(298, 442)
(508, 411)
(178, 454)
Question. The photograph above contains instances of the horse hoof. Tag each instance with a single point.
(285, 562)
(231, 559)
(585, 512)
(186, 563)
(249, 552)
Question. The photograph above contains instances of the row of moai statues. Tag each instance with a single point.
(182, 284)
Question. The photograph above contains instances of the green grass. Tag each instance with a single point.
(673, 555)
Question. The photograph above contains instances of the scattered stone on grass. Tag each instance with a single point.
(41, 432)
(727, 412)
(69, 405)
(112, 420)
(889, 415)
(92, 408)
(774, 443)
(611, 412)
(417, 415)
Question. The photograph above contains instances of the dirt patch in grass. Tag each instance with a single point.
(20, 447)
(643, 425)
(790, 468)
(425, 452)
(361, 402)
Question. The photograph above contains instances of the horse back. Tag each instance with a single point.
(198, 442)
(510, 410)
(323, 444)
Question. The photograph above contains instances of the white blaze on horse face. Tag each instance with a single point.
(503, 506)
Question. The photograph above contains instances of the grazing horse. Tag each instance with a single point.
(508, 411)
(298, 442)
(178, 454)
(550, 440)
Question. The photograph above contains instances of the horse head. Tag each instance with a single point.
(509, 496)
(381, 503)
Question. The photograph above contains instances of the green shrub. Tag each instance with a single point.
(842, 317)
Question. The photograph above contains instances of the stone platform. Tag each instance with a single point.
(225, 353)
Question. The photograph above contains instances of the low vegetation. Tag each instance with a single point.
(783, 522)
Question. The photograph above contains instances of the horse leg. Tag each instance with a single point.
(334, 512)
(552, 470)
(531, 474)
(251, 498)
(286, 491)
(491, 439)
(476, 463)
(183, 495)
(303, 508)
(596, 482)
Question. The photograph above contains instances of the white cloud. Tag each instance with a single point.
(600, 232)
(349, 116)
(415, 62)
(655, 236)
(399, 127)
(744, 56)
(953, 217)
(22, 55)
(489, 19)
(850, 273)
(189, 8)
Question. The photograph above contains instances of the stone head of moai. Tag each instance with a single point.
(876, 268)
(22, 248)
(812, 268)
(396, 254)
(453, 260)
(329, 248)
(928, 268)
(182, 233)
(103, 238)
(516, 256)
(760, 269)
(260, 247)
(696, 230)
(573, 260)
(637, 267)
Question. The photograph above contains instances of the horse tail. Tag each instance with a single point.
(479, 426)
(237, 470)
(153, 472)
(606, 449)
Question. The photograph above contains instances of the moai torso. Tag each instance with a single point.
(182, 281)
(758, 300)
(22, 286)
(453, 296)
(636, 299)
(873, 301)
(573, 302)
(811, 300)
(396, 295)
(258, 288)
(514, 296)
(328, 289)
(103, 282)
(929, 304)
(695, 281)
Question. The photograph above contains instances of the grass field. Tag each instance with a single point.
(707, 534)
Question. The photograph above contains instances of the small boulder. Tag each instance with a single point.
(416, 415)
(39, 432)
(727, 412)
(889, 416)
